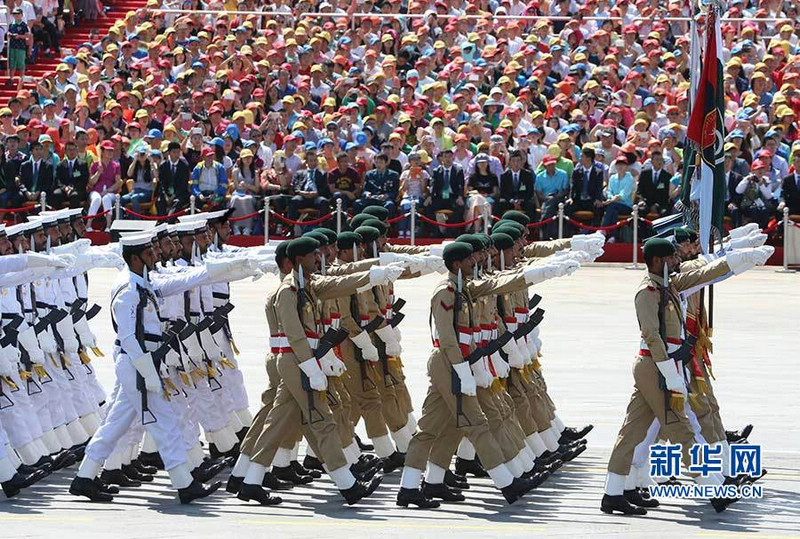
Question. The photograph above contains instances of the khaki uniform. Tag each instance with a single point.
(452, 336)
(649, 401)
(541, 249)
(293, 404)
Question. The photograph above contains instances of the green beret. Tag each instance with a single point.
(382, 227)
(301, 246)
(368, 233)
(502, 240)
(508, 230)
(360, 219)
(658, 247)
(684, 233)
(317, 235)
(280, 250)
(486, 239)
(377, 211)
(330, 234)
(346, 240)
(475, 241)
(517, 217)
(456, 251)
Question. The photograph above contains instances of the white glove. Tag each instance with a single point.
(172, 358)
(464, 372)
(384, 259)
(397, 334)
(755, 239)
(434, 263)
(8, 361)
(27, 339)
(229, 270)
(674, 380)
(540, 273)
(210, 345)
(268, 266)
(193, 349)
(515, 358)
(85, 333)
(47, 343)
(67, 334)
(743, 231)
(145, 367)
(332, 365)
(501, 368)
(481, 375)
(592, 244)
(386, 334)
(742, 260)
(73, 248)
(103, 260)
(364, 343)
(316, 378)
(534, 343)
(381, 275)
(36, 260)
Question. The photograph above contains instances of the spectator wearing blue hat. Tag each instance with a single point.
(381, 187)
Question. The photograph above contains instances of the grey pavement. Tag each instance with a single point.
(590, 337)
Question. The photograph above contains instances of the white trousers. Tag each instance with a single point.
(126, 408)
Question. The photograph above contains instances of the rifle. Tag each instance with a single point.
(389, 379)
(331, 338)
(663, 301)
(461, 418)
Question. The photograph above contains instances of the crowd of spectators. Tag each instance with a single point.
(446, 106)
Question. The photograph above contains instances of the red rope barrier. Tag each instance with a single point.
(598, 228)
(543, 222)
(771, 227)
(96, 215)
(154, 217)
(301, 223)
(24, 209)
(447, 225)
(797, 225)
(243, 217)
(397, 219)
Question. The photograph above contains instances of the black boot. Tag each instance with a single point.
(313, 463)
(105, 487)
(118, 477)
(242, 433)
(213, 451)
(441, 491)
(517, 489)
(286, 473)
(135, 474)
(571, 451)
(414, 496)
(720, 504)
(196, 490)
(537, 478)
(256, 493)
(453, 480)
(151, 459)
(362, 446)
(367, 474)
(63, 460)
(78, 451)
(620, 505)
(734, 436)
(464, 467)
(570, 435)
(208, 469)
(234, 484)
(746, 479)
(273, 483)
(634, 497)
(302, 470)
(361, 490)
(394, 462)
(149, 470)
(81, 486)
(671, 481)
(18, 482)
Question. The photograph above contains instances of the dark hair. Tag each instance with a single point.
(382, 157)
(35, 145)
(589, 152)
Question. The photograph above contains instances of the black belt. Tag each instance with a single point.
(148, 337)
(220, 295)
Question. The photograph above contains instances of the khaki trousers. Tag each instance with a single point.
(439, 413)
(267, 400)
(522, 406)
(294, 406)
(648, 403)
(362, 384)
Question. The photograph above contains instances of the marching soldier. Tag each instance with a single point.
(451, 400)
(659, 311)
(299, 397)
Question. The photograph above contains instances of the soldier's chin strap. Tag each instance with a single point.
(322, 263)
(502, 260)
(355, 253)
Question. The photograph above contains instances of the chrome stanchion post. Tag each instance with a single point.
(635, 224)
(413, 224)
(118, 206)
(786, 224)
(266, 221)
(560, 220)
(192, 203)
(338, 215)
